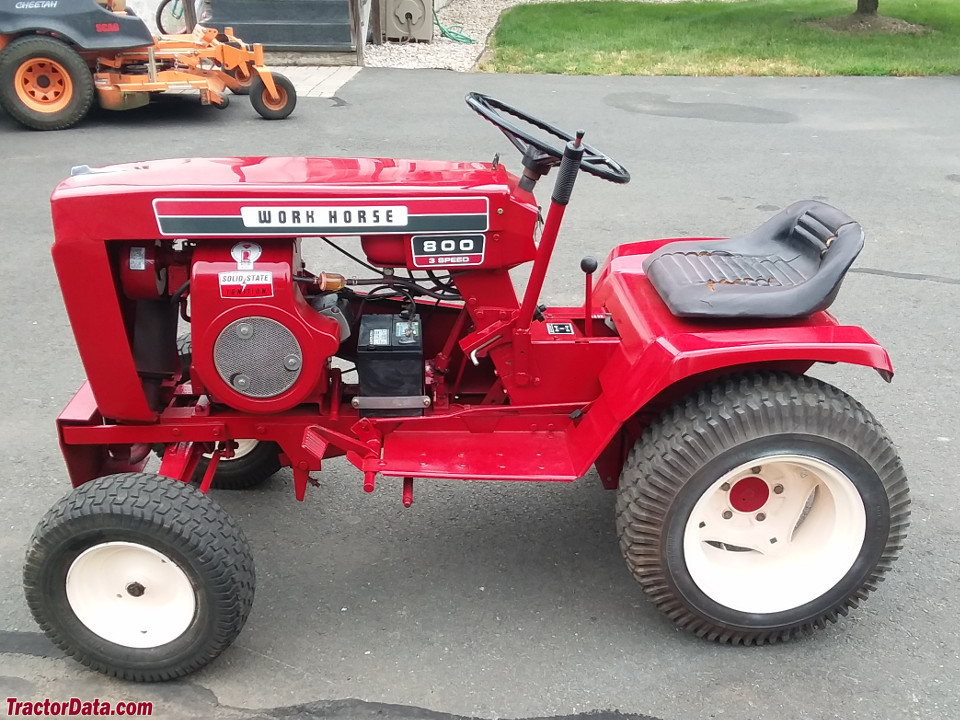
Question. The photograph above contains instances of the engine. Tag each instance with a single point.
(259, 344)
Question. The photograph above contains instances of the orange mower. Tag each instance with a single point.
(56, 56)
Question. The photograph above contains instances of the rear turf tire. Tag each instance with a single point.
(761, 507)
(44, 83)
(139, 577)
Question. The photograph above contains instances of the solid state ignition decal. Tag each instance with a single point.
(246, 284)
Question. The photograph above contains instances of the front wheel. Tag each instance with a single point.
(139, 577)
(762, 507)
(269, 107)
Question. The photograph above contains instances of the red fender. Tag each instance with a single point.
(662, 357)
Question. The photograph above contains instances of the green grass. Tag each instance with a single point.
(751, 37)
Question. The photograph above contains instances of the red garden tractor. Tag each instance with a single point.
(56, 57)
(754, 502)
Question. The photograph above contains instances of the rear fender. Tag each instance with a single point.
(661, 358)
(635, 393)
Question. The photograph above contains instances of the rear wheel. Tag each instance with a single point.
(44, 83)
(139, 577)
(762, 507)
(269, 107)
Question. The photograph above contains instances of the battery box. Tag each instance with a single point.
(390, 363)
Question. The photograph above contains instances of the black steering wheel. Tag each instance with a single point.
(594, 161)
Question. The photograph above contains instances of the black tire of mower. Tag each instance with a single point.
(174, 519)
(37, 46)
(243, 89)
(712, 431)
(242, 473)
(259, 97)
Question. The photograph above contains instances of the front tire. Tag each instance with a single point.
(44, 83)
(762, 507)
(139, 577)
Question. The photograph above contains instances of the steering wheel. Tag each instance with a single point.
(594, 161)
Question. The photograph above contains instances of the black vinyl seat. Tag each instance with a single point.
(791, 266)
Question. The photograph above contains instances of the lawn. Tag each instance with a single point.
(750, 37)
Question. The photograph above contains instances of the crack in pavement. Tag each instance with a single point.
(204, 699)
(28, 643)
(906, 276)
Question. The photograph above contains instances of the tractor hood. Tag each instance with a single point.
(283, 196)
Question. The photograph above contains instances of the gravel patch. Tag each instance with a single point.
(478, 18)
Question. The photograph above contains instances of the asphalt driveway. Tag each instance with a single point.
(511, 600)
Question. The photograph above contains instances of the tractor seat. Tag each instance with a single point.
(789, 267)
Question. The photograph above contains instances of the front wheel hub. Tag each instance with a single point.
(107, 591)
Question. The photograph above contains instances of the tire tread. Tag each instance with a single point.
(179, 515)
(727, 412)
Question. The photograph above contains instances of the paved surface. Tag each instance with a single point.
(510, 600)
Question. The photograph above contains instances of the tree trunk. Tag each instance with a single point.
(867, 7)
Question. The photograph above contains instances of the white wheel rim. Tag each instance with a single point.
(243, 448)
(759, 554)
(130, 594)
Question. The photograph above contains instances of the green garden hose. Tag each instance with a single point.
(454, 32)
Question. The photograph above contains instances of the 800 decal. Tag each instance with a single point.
(430, 251)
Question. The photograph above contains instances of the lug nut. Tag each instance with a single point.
(756, 469)
(725, 487)
(761, 517)
(777, 489)
(727, 514)
(135, 589)
(773, 541)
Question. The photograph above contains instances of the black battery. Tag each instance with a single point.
(390, 363)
